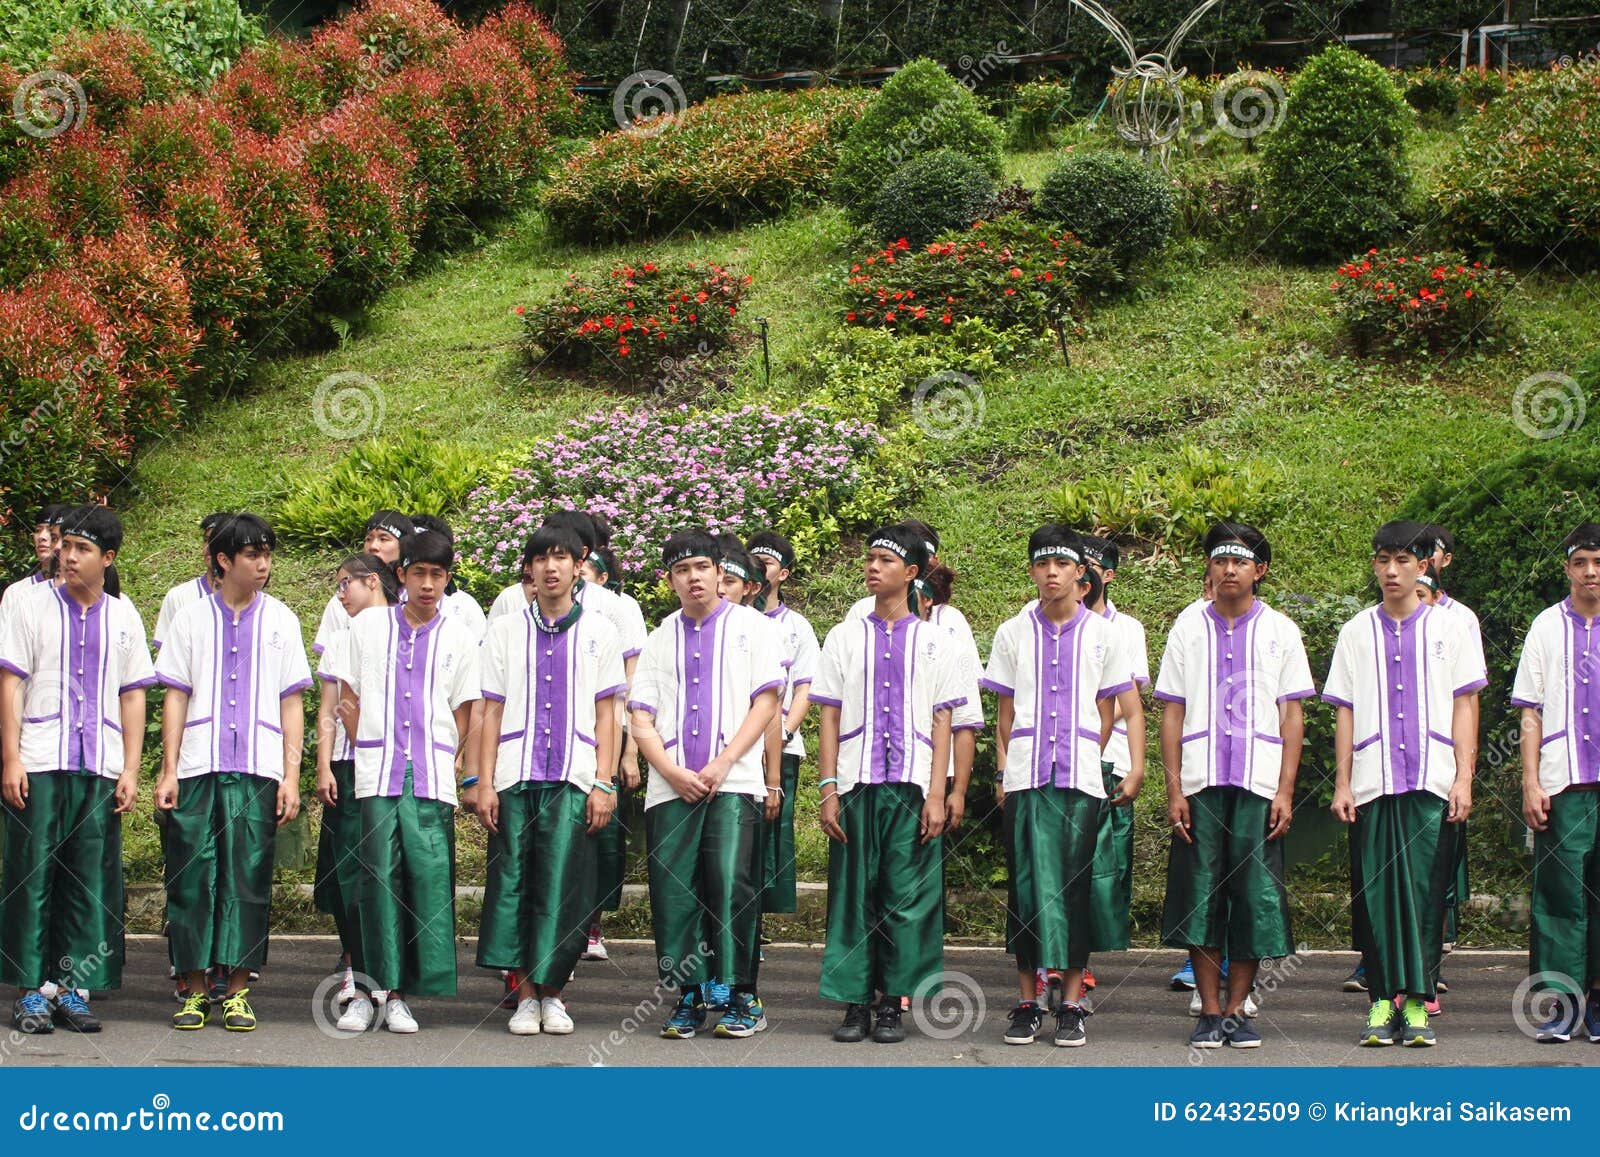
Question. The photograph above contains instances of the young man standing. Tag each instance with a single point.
(411, 680)
(886, 686)
(1231, 683)
(193, 590)
(457, 604)
(551, 678)
(1402, 678)
(73, 673)
(704, 693)
(1558, 689)
(1060, 672)
(234, 666)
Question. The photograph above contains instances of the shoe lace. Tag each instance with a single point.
(72, 1002)
(1025, 1013)
(889, 1012)
(859, 1015)
(35, 1004)
(1416, 1014)
(719, 994)
(195, 1002)
(1379, 1014)
(686, 1005)
(1072, 1016)
(236, 1002)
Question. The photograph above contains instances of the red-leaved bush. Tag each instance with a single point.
(277, 202)
(275, 84)
(118, 71)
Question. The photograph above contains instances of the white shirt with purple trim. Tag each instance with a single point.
(800, 657)
(174, 601)
(699, 680)
(333, 659)
(888, 684)
(1231, 680)
(1559, 676)
(549, 683)
(1401, 681)
(75, 663)
(464, 609)
(1056, 677)
(1470, 618)
(335, 621)
(622, 611)
(236, 669)
(409, 680)
(969, 715)
(1137, 648)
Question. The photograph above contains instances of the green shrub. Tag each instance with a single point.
(1335, 170)
(1221, 207)
(933, 194)
(329, 507)
(1037, 109)
(1111, 200)
(921, 108)
(198, 38)
(1434, 92)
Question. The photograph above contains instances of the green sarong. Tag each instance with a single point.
(705, 889)
(1564, 935)
(777, 878)
(1111, 888)
(1406, 865)
(219, 844)
(885, 898)
(337, 870)
(61, 899)
(404, 915)
(611, 855)
(1050, 838)
(1225, 890)
(541, 888)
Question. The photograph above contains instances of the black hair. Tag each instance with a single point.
(1446, 540)
(1413, 538)
(1054, 534)
(363, 565)
(927, 532)
(1094, 586)
(49, 513)
(774, 544)
(389, 521)
(1106, 551)
(602, 528)
(690, 544)
(427, 547)
(1584, 536)
(113, 582)
(910, 540)
(434, 523)
(613, 568)
(941, 581)
(209, 524)
(98, 524)
(579, 523)
(234, 534)
(547, 538)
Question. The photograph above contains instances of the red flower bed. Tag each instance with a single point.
(1440, 303)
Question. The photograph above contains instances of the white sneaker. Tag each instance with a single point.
(358, 1014)
(1195, 1004)
(553, 1013)
(525, 1021)
(347, 986)
(596, 949)
(397, 1017)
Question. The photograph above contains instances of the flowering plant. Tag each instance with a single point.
(1441, 303)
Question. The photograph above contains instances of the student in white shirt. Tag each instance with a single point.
(190, 590)
(551, 680)
(234, 666)
(457, 603)
(73, 673)
(382, 537)
(46, 544)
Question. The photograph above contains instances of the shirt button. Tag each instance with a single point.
(547, 731)
(1227, 733)
(886, 682)
(1397, 658)
(885, 734)
(408, 666)
(232, 703)
(696, 680)
(233, 650)
(550, 652)
(1399, 686)
(694, 707)
(1055, 662)
(80, 728)
(885, 710)
(886, 655)
(1230, 654)
(408, 694)
(697, 654)
(408, 723)
(694, 733)
(80, 671)
(231, 726)
(1400, 715)
(1052, 715)
(547, 678)
(1229, 679)
(1402, 747)
(233, 677)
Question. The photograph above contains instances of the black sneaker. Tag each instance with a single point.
(1069, 1026)
(1208, 1032)
(31, 1015)
(889, 1030)
(194, 1013)
(857, 1023)
(1026, 1021)
(237, 1015)
(71, 1012)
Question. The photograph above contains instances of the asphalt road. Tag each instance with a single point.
(1306, 1020)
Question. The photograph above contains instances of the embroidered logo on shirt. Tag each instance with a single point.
(1438, 648)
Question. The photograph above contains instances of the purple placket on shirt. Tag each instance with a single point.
(236, 694)
(410, 717)
(889, 670)
(1057, 700)
(1404, 722)
(83, 698)
(553, 676)
(1230, 719)
(1585, 697)
(698, 677)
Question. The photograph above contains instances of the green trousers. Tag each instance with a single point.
(1564, 936)
(61, 900)
(541, 889)
(885, 898)
(404, 914)
(705, 889)
(777, 877)
(1111, 888)
(1406, 864)
(1225, 890)
(219, 844)
(337, 869)
(1050, 838)
(611, 855)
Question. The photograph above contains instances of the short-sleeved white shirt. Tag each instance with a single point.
(1231, 680)
(699, 680)
(335, 620)
(888, 684)
(969, 715)
(1559, 676)
(236, 669)
(549, 683)
(1470, 619)
(622, 611)
(1137, 648)
(75, 663)
(174, 601)
(800, 657)
(409, 681)
(1400, 682)
(333, 659)
(1056, 677)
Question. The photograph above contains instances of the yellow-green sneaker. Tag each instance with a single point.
(193, 1013)
(1416, 1033)
(1381, 1019)
(237, 1015)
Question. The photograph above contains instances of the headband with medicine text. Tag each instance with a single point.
(892, 547)
(930, 548)
(736, 570)
(1427, 580)
(1233, 550)
(771, 552)
(1095, 555)
(1577, 546)
(1065, 552)
(684, 554)
(600, 567)
(391, 530)
(90, 536)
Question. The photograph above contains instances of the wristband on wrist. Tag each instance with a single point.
(470, 781)
(606, 786)
(831, 779)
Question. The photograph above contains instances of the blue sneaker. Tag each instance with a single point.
(1241, 1032)
(1183, 979)
(718, 996)
(1357, 980)
(746, 1016)
(1208, 1033)
(31, 1015)
(688, 1017)
(71, 1011)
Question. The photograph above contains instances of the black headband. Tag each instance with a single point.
(684, 554)
(1233, 550)
(892, 546)
(1056, 552)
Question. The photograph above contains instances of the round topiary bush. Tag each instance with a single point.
(1110, 200)
(920, 109)
(1335, 173)
(933, 194)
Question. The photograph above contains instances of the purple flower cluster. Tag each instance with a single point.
(657, 471)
